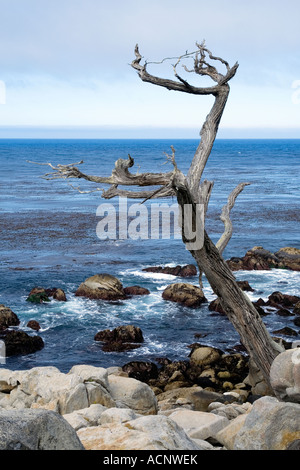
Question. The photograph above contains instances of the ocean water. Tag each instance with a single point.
(48, 238)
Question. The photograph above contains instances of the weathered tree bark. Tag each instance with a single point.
(190, 190)
(225, 217)
(237, 306)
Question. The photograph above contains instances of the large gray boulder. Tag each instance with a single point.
(144, 433)
(36, 430)
(199, 424)
(133, 394)
(96, 383)
(48, 388)
(270, 425)
(285, 375)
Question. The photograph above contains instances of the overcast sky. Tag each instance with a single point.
(65, 67)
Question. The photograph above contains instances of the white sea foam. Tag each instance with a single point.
(147, 275)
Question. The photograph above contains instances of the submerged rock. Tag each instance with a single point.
(286, 331)
(215, 306)
(17, 342)
(101, 286)
(184, 294)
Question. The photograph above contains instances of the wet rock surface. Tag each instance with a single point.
(20, 343)
(122, 338)
(136, 290)
(7, 318)
(101, 286)
(40, 294)
(188, 270)
(184, 294)
(260, 259)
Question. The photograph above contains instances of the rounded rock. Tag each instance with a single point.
(204, 356)
(101, 286)
(285, 375)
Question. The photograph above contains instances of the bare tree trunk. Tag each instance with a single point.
(238, 308)
(236, 304)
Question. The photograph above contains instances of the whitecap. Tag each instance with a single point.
(147, 275)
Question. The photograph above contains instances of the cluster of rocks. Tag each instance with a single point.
(205, 367)
(121, 338)
(188, 270)
(284, 305)
(279, 303)
(210, 401)
(257, 258)
(17, 342)
(94, 408)
(39, 295)
(107, 287)
(260, 259)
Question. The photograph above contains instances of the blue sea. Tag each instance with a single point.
(48, 239)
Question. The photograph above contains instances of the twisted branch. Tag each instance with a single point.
(225, 217)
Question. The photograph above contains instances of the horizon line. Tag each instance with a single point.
(138, 133)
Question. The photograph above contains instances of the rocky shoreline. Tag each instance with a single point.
(93, 408)
(213, 400)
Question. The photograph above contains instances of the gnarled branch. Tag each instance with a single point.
(225, 217)
(201, 67)
(120, 174)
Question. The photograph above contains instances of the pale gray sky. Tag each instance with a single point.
(65, 65)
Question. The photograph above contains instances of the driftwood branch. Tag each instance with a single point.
(120, 176)
(225, 217)
(201, 67)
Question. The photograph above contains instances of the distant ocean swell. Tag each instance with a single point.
(48, 238)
